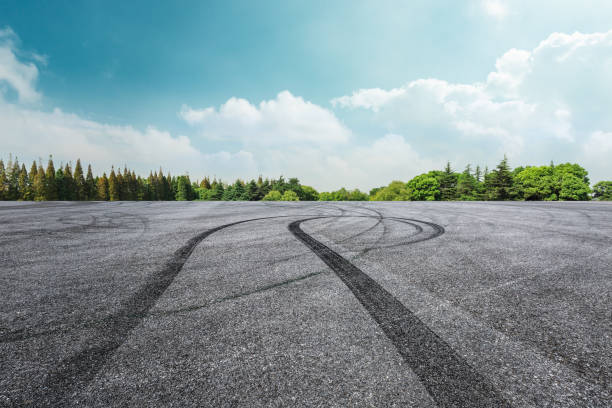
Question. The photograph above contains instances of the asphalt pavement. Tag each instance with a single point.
(306, 304)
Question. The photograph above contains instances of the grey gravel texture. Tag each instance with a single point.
(359, 304)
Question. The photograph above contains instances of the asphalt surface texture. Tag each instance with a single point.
(306, 304)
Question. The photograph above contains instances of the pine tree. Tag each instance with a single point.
(79, 182)
(251, 191)
(3, 182)
(32, 177)
(40, 184)
(170, 192)
(477, 174)
(25, 192)
(90, 185)
(113, 186)
(217, 191)
(13, 179)
(69, 184)
(466, 185)
(239, 192)
(205, 183)
(50, 185)
(142, 190)
(121, 193)
(183, 189)
(136, 192)
(59, 182)
(502, 181)
(102, 188)
(448, 183)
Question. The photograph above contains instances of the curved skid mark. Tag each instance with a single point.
(448, 378)
(77, 370)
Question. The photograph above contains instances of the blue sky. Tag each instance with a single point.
(353, 93)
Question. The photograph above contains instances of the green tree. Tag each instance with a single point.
(40, 184)
(535, 183)
(69, 184)
(239, 191)
(290, 195)
(3, 182)
(273, 196)
(184, 191)
(80, 186)
(13, 169)
(395, 191)
(113, 186)
(466, 185)
(574, 189)
(309, 194)
(424, 187)
(25, 191)
(448, 183)
(252, 191)
(90, 185)
(102, 188)
(205, 183)
(217, 191)
(121, 190)
(32, 180)
(603, 190)
(59, 183)
(502, 182)
(50, 185)
(478, 174)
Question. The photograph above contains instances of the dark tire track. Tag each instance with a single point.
(79, 369)
(76, 371)
(448, 378)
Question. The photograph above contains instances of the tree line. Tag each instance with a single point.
(566, 181)
(562, 182)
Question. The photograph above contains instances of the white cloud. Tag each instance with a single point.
(287, 119)
(547, 103)
(368, 98)
(194, 116)
(20, 76)
(542, 104)
(32, 133)
(495, 8)
(385, 159)
(359, 166)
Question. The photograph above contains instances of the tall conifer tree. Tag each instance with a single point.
(448, 183)
(3, 181)
(80, 186)
(90, 185)
(40, 184)
(50, 185)
(113, 187)
(102, 188)
(69, 184)
(24, 184)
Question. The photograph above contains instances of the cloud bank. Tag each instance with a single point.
(551, 102)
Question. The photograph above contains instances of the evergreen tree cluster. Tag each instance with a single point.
(256, 190)
(553, 182)
(67, 183)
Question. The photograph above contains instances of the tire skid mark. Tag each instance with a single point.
(448, 378)
(75, 371)
(81, 367)
(27, 333)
